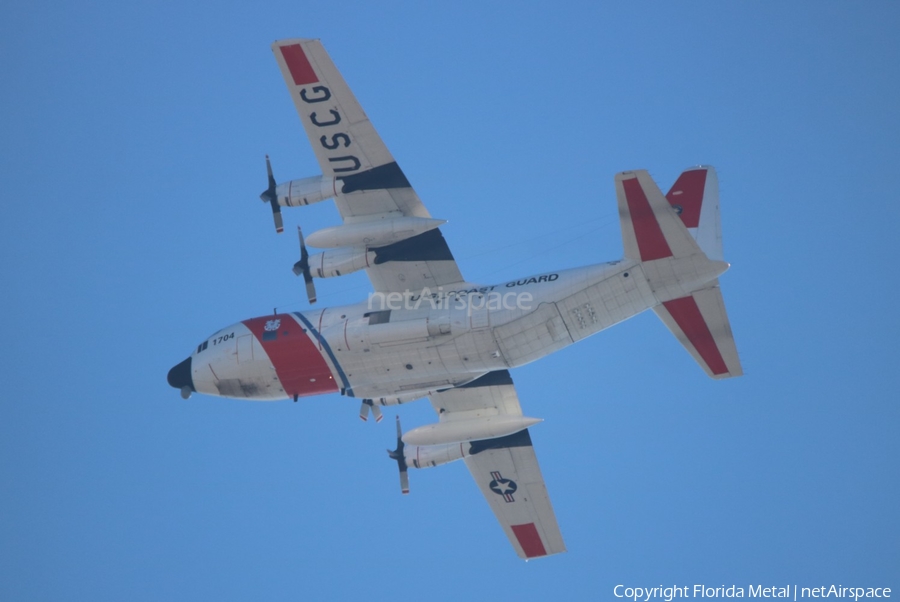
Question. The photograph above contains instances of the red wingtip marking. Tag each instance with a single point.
(298, 65)
(650, 240)
(380, 418)
(687, 193)
(363, 418)
(688, 317)
(529, 539)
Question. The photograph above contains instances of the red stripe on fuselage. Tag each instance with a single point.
(650, 240)
(690, 185)
(300, 367)
(298, 65)
(529, 539)
(688, 317)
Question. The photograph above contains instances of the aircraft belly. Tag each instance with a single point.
(614, 299)
(419, 366)
(475, 351)
(533, 336)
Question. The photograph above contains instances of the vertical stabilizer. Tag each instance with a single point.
(650, 228)
(695, 197)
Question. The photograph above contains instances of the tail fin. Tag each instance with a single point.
(679, 245)
(695, 197)
(650, 228)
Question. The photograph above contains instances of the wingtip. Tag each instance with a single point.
(289, 41)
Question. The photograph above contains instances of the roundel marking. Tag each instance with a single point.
(504, 487)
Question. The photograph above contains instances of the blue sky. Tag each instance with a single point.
(131, 159)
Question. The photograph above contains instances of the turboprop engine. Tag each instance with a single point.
(410, 455)
(305, 191)
(296, 192)
(424, 456)
(340, 262)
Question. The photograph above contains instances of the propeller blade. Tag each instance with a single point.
(269, 193)
(276, 215)
(302, 268)
(270, 196)
(404, 482)
(310, 291)
(397, 455)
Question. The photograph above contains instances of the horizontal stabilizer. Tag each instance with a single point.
(700, 323)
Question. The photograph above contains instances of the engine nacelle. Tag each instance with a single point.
(426, 456)
(340, 262)
(306, 191)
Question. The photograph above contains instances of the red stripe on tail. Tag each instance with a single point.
(688, 317)
(687, 193)
(298, 64)
(650, 240)
(529, 539)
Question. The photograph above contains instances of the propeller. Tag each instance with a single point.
(368, 404)
(271, 197)
(302, 268)
(397, 455)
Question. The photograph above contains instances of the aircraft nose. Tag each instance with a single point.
(180, 378)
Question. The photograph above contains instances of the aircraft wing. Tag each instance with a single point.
(370, 185)
(506, 468)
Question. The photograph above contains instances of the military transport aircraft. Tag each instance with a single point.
(427, 332)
